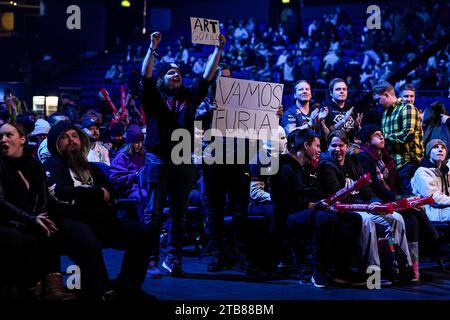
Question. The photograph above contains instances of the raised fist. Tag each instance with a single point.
(222, 41)
(155, 38)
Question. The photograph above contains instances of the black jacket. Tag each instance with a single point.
(334, 177)
(294, 186)
(17, 203)
(162, 121)
(68, 199)
(335, 114)
(368, 165)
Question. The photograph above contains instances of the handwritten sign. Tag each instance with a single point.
(205, 31)
(246, 109)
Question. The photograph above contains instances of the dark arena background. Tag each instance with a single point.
(225, 240)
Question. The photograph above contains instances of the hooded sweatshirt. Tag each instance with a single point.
(69, 196)
(294, 186)
(429, 180)
(334, 177)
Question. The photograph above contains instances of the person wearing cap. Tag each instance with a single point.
(401, 125)
(43, 153)
(170, 105)
(38, 135)
(83, 206)
(41, 129)
(374, 158)
(98, 152)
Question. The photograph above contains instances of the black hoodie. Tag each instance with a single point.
(334, 177)
(294, 186)
(68, 198)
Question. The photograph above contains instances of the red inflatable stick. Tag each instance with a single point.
(410, 203)
(110, 103)
(418, 202)
(344, 192)
(385, 208)
(401, 204)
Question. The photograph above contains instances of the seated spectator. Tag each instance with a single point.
(338, 170)
(169, 57)
(375, 159)
(240, 33)
(27, 244)
(127, 164)
(43, 153)
(4, 115)
(330, 59)
(116, 138)
(98, 152)
(83, 205)
(432, 179)
(111, 74)
(296, 194)
(70, 107)
(199, 66)
(39, 134)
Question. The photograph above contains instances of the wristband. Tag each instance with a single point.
(153, 51)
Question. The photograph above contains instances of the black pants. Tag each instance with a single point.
(84, 242)
(405, 174)
(335, 236)
(222, 180)
(318, 224)
(419, 229)
(27, 255)
(418, 226)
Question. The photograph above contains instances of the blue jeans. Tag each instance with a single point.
(162, 179)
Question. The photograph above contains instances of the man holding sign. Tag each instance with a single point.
(168, 106)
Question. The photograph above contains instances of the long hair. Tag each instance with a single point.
(22, 133)
(127, 149)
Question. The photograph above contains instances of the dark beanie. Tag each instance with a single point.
(87, 123)
(134, 134)
(162, 68)
(367, 131)
(27, 123)
(117, 130)
(433, 143)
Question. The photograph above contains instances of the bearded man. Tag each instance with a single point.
(83, 204)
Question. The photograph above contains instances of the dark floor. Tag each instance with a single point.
(233, 285)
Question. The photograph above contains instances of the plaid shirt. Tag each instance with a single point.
(402, 128)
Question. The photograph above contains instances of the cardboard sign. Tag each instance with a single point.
(205, 31)
(246, 109)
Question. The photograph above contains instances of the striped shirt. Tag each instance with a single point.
(402, 129)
